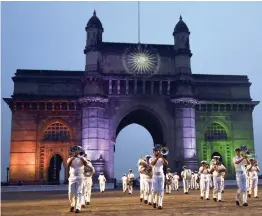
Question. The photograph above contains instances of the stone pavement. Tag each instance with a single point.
(114, 202)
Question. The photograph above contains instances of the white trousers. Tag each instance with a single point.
(196, 185)
(204, 186)
(168, 188)
(176, 185)
(124, 186)
(148, 190)
(253, 182)
(222, 183)
(142, 188)
(217, 190)
(186, 185)
(88, 189)
(210, 182)
(75, 190)
(193, 186)
(102, 186)
(158, 189)
(241, 179)
(130, 188)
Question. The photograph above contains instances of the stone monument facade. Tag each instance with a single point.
(196, 116)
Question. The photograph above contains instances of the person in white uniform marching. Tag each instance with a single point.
(217, 169)
(197, 180)
(148, 181)
(130, 181)
(124, 183)
(158, 162)
(186, 176)
(241, 177)
(193, 186)
(76, 165)
(176, 181)
(169, 180)
(102, 182)
(141, 175)
(253, 171)
(204, 180)
(88, 182)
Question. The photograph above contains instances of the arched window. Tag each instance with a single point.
(215, 132)
(57, 131)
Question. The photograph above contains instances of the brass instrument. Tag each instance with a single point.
(163, 149)
(246, 152)
(147, 167)
(78, 150)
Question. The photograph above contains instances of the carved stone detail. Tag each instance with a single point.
(185, 102)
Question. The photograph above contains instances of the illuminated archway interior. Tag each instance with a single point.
(54, 169)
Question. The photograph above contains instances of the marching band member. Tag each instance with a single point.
(102, 182)
(193, 186)
(87, 188)
(216, 169)
(197, 179)
(241, 177)
(253, 171)
(248, 179)
(210, 179)
(148, 174)
(130, 181)
(186, 175)
(124, 183)
(176, 181)
(158, 178)
(141, 173)
(169, 178)
(204, 180)
(76, 165)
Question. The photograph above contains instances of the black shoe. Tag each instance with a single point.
(245, 204)
(83, 206)
(77, 211)
(222, 191)
(145, 201)
(237, 203)
(154, 205)
(256, 197)
(141, 199)
(201, 198)
(149, 203)
(207, 199)
(215, 199)
(87, 203)
(159, 207)
(219, 200)
(72, 209)
(186, 192)
(249, 195)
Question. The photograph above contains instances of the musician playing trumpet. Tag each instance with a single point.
(217, 169)
(158, 177)
(253, 171)
(240, 160)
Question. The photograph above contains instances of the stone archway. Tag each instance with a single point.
(55, 165)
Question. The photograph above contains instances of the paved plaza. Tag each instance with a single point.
(114, 202)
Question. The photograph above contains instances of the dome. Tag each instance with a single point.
(94, 22)
(181, 26)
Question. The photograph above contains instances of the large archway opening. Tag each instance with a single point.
(56, 170)
(136, 134)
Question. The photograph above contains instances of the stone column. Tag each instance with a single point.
(186, 131)
(95, 133)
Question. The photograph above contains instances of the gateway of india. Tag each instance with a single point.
(195, 115)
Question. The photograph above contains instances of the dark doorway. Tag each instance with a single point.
(54, 169)
(217, 154)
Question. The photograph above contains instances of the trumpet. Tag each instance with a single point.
(164, 150)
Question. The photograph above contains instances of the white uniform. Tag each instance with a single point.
(102, 182)
(147, 181)
(241, 178)
(223, 181)
(169, 180)
(158, 182)
(142, 182)
(186, 175)
(87, 188)
(124, 183)
(130, 186)
(196, 183)
(75, 182)
(210, 180)
(176, 182)
(204, 182)
(253, 179)
(217, 180)
(193, 186)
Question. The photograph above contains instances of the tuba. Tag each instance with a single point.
(147, 167)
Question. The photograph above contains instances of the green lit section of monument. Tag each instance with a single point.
(239, 132)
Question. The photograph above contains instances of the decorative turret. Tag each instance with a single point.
(94, 30)
(182, 47)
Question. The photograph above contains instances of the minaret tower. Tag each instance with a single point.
(94, 33)
(182, 48)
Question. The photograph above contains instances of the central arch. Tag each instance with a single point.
(55, 165)
(146, 119)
